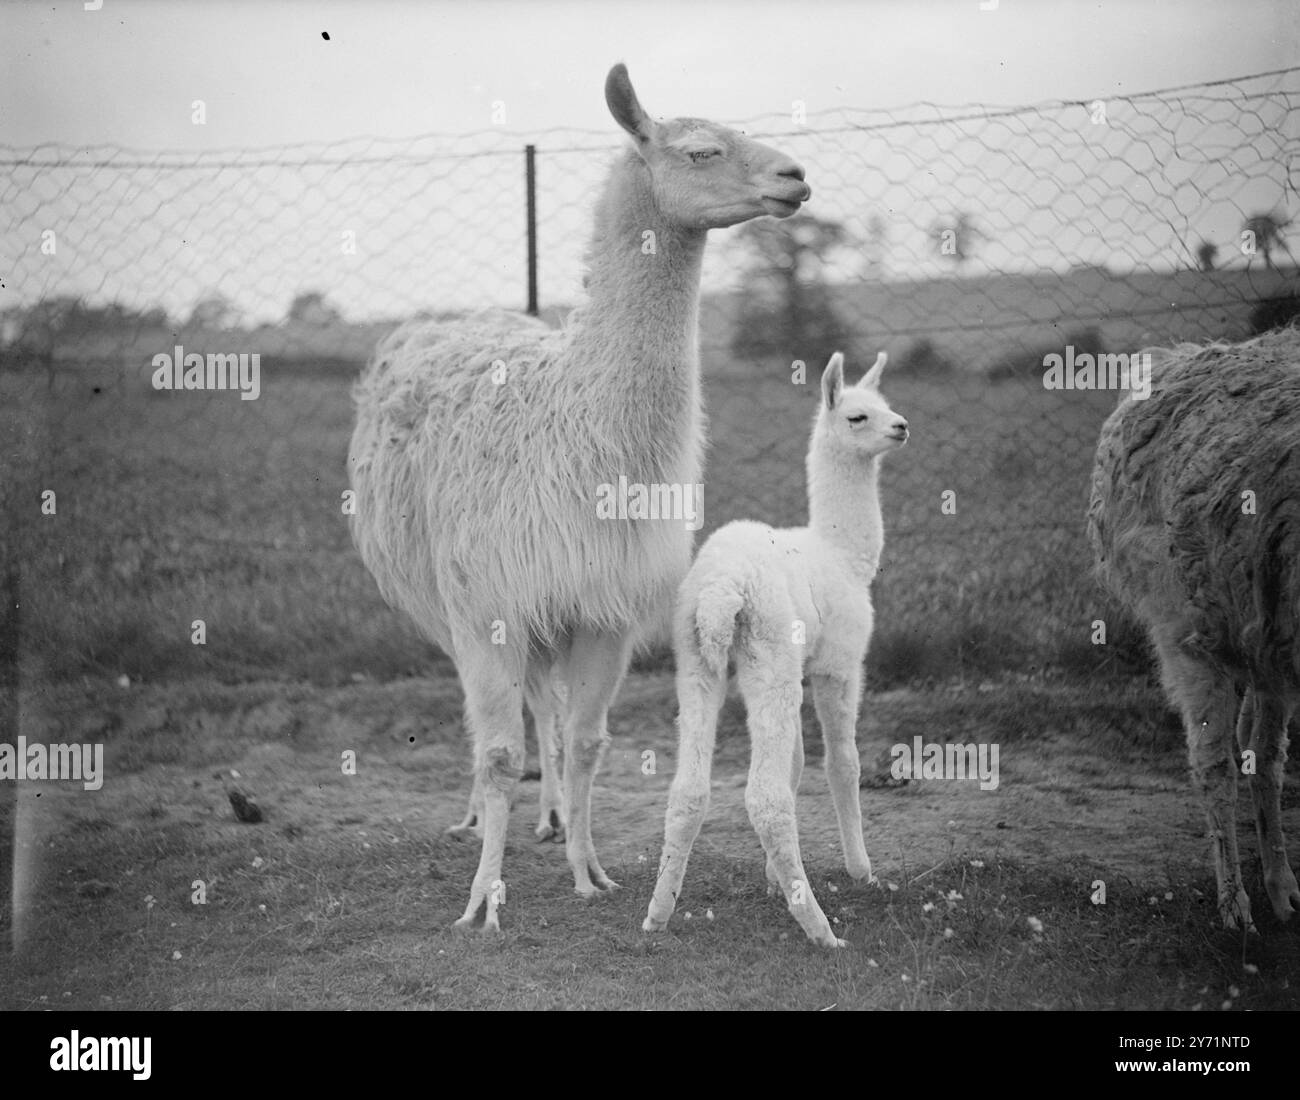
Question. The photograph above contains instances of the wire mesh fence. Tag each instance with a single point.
(972, 243)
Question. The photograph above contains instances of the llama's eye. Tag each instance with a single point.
(698, 155)
(861, 418)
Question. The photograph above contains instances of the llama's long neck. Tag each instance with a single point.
(639, 334)
(844, 508)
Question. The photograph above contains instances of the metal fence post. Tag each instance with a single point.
(530, 185)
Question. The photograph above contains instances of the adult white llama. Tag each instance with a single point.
(782, 602)
(1195, 524)
(482, 446)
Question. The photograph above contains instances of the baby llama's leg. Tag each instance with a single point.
(836, 699)
(796, 774)
(770, 681)
(700, 694)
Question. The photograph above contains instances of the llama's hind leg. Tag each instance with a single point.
(494, 713)
(796, 774)
(544, 704)
(1268, 740)
(772, 696)
(594, 671)
(700, 694)
(1210, 708)
(836, 700)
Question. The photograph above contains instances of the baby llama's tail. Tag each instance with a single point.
(718, 603)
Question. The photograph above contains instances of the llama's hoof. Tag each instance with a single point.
(861, 874)
(652, 925)
(466, 925)
(1236, 913)
(1285, 896)
(550, 827)
(598, 889)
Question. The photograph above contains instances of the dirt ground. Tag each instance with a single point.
(1117, 805)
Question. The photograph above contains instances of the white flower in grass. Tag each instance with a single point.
(928, 907)
(1035, 925)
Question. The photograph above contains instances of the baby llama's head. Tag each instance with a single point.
(855, 423)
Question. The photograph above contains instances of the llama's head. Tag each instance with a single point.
(705, 176)
(856, 421)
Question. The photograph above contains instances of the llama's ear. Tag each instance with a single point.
(833, 381)
(872, 378)
(624, 105)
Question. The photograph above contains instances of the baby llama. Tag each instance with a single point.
(482, 446)
(1195, 524)
(781, 603)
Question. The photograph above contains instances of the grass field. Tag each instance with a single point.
(199, 506)
(176, 507)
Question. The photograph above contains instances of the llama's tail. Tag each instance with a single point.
(718, 604)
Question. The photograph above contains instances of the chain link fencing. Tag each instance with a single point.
(971, 243)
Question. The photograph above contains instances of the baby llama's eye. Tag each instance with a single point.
(702, 154)
(861, 418)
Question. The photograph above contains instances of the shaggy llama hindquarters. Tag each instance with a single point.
(779, 603)
(1195, 522)
(481, 447)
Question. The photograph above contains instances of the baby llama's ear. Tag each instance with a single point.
(833, 381)
(871, 379)
(625, 107)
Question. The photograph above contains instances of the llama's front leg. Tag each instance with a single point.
(551, 815)
(836, 701)
(494, 712)
(700, 694)
(595, 668)
(1268, 741)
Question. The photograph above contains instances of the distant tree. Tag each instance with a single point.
(1207, 252)
(787, 305)
(1265, 232)
(214, 311)
(957, 237)
(875, 247)
(311, 308)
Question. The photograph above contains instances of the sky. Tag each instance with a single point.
(128, 74)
